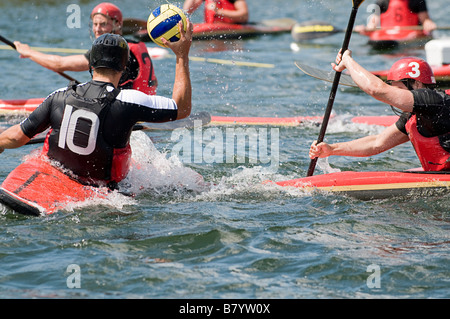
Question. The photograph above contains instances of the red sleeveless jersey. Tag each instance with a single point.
(399, 14)
(211, 17)
(432, 155)
(146, 79)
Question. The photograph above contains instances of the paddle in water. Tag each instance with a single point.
(337, 77)
(12, 45)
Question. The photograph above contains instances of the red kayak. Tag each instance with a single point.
(37, 188)
(205, 31)
(28, 105)
(374, 185)
(18, 106)
(297, 120)
(281, 121)
(208, 31)
(392, 38)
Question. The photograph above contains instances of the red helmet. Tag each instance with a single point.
(109, 10)
(411, 68)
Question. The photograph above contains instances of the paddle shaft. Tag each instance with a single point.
(12, 45)
(335, 85)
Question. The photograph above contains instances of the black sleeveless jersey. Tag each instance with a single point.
(93, 121)
(129, 107)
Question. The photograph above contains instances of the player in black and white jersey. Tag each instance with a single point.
(91, 123)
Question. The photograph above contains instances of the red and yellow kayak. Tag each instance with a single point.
(373, 185)
(28, 105)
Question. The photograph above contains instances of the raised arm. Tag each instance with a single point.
(372, 85)
(182, 89)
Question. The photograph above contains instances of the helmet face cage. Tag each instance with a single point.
(109, 51)
(110, 11)
(116, 28)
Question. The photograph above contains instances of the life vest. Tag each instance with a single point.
(146, 79)
(79, 145)
(432, 155)
(210, 15)
(398, 14)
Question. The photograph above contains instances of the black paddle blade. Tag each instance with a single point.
(310, 30)
(327, 76)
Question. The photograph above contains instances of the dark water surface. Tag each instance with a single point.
(232, 236)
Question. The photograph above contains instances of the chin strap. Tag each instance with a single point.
(408, 84)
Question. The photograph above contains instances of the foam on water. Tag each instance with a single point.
(343, 124)
(323, 164)
(153, 170)
(157, 172)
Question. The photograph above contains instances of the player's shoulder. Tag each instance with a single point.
(136, 97)
(56, 93)
(133, 97)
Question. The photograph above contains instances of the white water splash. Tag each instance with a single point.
(344, 124)
(323, 164)
(153, 170)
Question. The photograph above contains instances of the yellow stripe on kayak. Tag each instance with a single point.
(373, 187)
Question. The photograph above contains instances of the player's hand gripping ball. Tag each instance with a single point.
(163, 23)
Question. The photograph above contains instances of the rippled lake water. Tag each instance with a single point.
(230, 235)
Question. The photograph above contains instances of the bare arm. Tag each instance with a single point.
(372, 23)
(372, 85)
(182, 89)
(53, 62)
(240, 15)
(13, 137)
(427, 23)
(363, 147)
